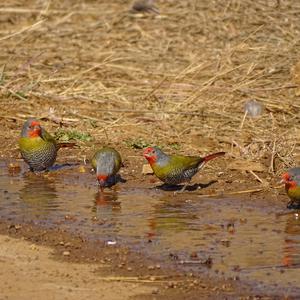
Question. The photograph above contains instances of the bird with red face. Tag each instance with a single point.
(176, 169)
(106, 162)
(292, 186)
(38, 148)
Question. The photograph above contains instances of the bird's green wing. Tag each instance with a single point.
(186, 162)
(118, 161)
(94, 162)
(47, 136)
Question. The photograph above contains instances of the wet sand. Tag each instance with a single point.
(28, 271)
(36, 262)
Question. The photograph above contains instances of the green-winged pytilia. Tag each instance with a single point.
(292, 186)
(176, 169)
(38, 147)
(106, 163)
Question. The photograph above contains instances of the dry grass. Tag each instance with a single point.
(179, 77)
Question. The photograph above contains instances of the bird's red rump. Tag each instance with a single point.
(214, 155)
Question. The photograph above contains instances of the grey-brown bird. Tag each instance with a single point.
(106, 163)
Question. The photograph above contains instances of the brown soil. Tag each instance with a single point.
(28, 272)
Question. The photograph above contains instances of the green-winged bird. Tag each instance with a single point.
(291, 178)
(176, 169)
(106, 163)
(38, 148)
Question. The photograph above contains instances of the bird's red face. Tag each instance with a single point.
(34, 129)
(289, 182)
(102, 180)
(150, 154)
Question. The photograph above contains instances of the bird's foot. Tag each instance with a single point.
(181, 190)
(293, 205)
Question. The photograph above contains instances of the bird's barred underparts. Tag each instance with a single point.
(41, 158)
(178, 176)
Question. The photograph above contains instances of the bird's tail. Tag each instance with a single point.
(212, 156)
(66, 145)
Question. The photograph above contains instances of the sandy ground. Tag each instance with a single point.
(29, 272)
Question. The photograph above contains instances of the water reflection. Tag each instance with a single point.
(106, 203)
(170, 215)
(38, 196)
(291, 248)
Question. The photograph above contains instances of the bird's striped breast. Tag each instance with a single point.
(178, 175)
(38, 154)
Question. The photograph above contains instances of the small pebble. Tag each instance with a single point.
(146, 170)
(110, 243)
(66, 253)
(81, 169)
(33, 247)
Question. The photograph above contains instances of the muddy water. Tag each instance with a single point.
(251, 240)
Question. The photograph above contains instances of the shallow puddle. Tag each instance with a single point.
(242, 238)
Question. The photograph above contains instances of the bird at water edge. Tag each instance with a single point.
(176, 169)
(38, 148)
(291, 178)
(106, 162)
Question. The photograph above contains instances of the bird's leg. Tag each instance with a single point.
(293, 205)
(183, 188)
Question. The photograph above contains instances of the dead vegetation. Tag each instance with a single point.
(179, 77)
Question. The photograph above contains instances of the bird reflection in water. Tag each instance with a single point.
(169, 217)
(106, 203)
(291, 249)
(39, 196)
